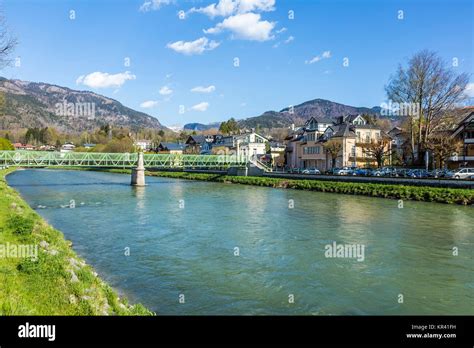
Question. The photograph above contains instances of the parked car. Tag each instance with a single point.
(464, 173)
(312, 171)
(332, 171)
(438, 173)
(362, 172)
(399, 173)
(343, 171)
(380, 172)
(294, 170)
(417, 173)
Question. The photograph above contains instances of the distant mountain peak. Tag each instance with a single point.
(36, 104)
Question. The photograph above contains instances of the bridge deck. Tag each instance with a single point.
(119, 160)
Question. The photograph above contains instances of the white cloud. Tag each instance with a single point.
(104, 80)
(149, 104)
(282, 30)
(202, 89)
(287, 41)
(324, 55)
(469, 90)
(226, 8)
(247, 26)
(165, 90)
(153, 5)
(200, 107)
(193, 47)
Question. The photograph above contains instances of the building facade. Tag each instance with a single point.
(306, 146)
(465, 133)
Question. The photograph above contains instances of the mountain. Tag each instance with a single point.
(317, 108)
(32, 104)
(200, 126)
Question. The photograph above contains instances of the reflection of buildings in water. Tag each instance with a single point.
(176, 189)
(359, 219)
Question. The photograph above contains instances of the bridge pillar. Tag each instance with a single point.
(138, 173)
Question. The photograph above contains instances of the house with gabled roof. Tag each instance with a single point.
(465, 133)
(171, 148)
(307, 150)
(198, 144)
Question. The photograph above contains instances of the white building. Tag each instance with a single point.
(250, 145)
(144, 145)
(68, 147)
(247, 145)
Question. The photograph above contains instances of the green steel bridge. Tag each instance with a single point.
(118, 160)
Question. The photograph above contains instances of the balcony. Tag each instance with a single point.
(461, 158)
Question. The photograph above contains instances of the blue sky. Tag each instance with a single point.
(283, 61)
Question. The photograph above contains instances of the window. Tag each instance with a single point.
(311, 150)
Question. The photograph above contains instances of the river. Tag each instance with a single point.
(189, 247)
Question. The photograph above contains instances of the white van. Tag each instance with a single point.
(464, 173)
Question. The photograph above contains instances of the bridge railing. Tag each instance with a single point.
(121, 160)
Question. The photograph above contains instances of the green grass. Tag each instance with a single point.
(45, 286)
(404, 192)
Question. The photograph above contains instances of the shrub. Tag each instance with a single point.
(21, 225)
(418, 193)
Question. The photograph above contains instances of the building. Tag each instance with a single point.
(199, 144)
(312, 153)
(292, 150)
(20, 146)
(251, 145)
(275, 155)
(171, 148)
(306, 145)
(144, 145)
(465, 133)
(88, 145)
(68, 147)
(247, 145)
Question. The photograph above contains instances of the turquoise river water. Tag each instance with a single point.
(202, 248)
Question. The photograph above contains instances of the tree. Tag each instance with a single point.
(333, 147)
(229, 127)
(5, 144)
(377, 151)
(268, 147)
(442, 147)
(119, 145)
(7, 43)
(427, 88)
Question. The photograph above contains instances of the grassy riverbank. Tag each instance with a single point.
(404, 192)
(57, 281)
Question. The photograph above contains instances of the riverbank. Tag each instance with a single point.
(51, 279)
(403, 192)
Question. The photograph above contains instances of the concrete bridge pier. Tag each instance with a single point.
(138, 173)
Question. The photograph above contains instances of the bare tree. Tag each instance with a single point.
(431, 88)
(333, 147)
(378, 151)
(7, 43)
(442, 147)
